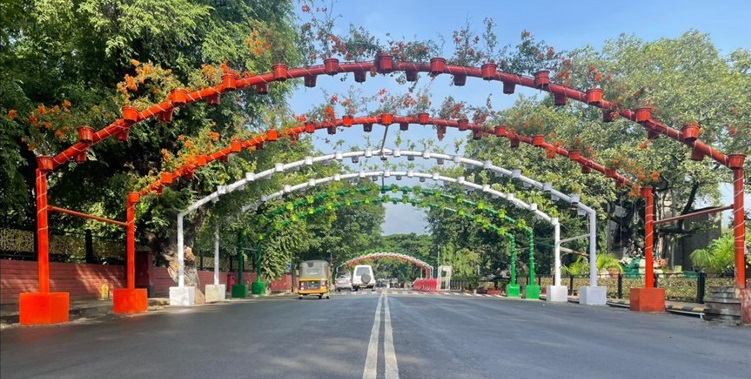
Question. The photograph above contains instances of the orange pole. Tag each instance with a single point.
(739, 228)
(131, 239)
(43, 252)
(649, 279)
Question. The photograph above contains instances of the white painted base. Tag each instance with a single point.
(557, 294)
(182, 296)
(593, 295)
(216, 292)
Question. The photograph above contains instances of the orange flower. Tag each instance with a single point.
(59, 134)
(12, 114)
(33, 120)
(181, 138)
(135, 62)
(41, 110)
(66, 104)
(644, 145)
(214, 136)
(654, 176)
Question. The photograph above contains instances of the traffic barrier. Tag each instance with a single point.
(426, 285)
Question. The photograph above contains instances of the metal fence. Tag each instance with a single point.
(64, 247)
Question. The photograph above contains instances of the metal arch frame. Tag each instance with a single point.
(385, 254)
(440, 158)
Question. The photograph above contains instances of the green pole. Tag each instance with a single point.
(258, 287)
(259, 251)
(532, 290)
(513, 290)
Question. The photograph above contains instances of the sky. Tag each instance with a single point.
(566, 25)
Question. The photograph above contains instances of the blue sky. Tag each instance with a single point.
(566, 25)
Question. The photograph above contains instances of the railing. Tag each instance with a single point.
(686, 287)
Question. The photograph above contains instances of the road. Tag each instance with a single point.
(385, 334)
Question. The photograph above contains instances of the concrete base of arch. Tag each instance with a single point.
(130, 300)
(557, 294)
(647, 300)
(593, 295)
(216, 292)
(182, 296)
(513, 290)
(532, 291)
(37, 308)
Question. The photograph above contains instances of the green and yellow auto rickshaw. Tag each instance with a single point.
(314, 279)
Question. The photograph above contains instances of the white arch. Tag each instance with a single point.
(590, 295)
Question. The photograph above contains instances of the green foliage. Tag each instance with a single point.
(718, 257)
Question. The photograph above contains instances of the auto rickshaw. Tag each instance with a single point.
(314, 279)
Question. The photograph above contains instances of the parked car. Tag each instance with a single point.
(363, 277)
(343, 281)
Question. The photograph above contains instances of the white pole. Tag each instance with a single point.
(557, 251)
(180, 252)
(216, 255)
(593, 248)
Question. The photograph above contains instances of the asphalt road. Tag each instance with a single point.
(380, 334)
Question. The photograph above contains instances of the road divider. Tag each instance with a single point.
(427, 285)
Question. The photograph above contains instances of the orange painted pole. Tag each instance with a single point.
(130, 217)
(739, 228)
(43, 252)
(649, 279)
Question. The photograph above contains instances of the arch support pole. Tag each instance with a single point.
(648, 299)
(557, 293)
(43, 307)
(593, 294)
(739, 228)
(181, 295)
(217, 291)
(130, 299)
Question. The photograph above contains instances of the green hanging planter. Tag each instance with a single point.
(310, 199)
(480, 205)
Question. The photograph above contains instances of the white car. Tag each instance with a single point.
(343, 282)
(363, 278)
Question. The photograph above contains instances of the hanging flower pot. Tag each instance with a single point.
(331, 130)
(423, 118)
(460, 80)
(542, 79)
(44, 162)
(476, 135)
(331, 65)
(236, 146)
(224, 158)
(367, 127)
(310, 127)
(80, 157)
(310, 80)
(187, 173)
(272, 135)
(586, 170)
(403, 126)
(213, 100)
(262, 88)
(85, 134)
(166, 178)
(509, 87)
(696, 155)
(609, 115)
(387, 118)
(347, 120)
(122, 135)
(690, 132)
(610, 172)
(437, 65)
(411, 75)
(280, 71)
(735, 161)
(501, 131)
(441, 129)
(179, 96)
(652, 135)
(360, 76)
(594, 96)
(130, 114)
(440, 136)
(229, 81)
(384, 63)
(487, 71)
(134, 197)
(463, 124)
(574, 154)
(642, 114)
(538, 140)
(559, 99)
(514, 143)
